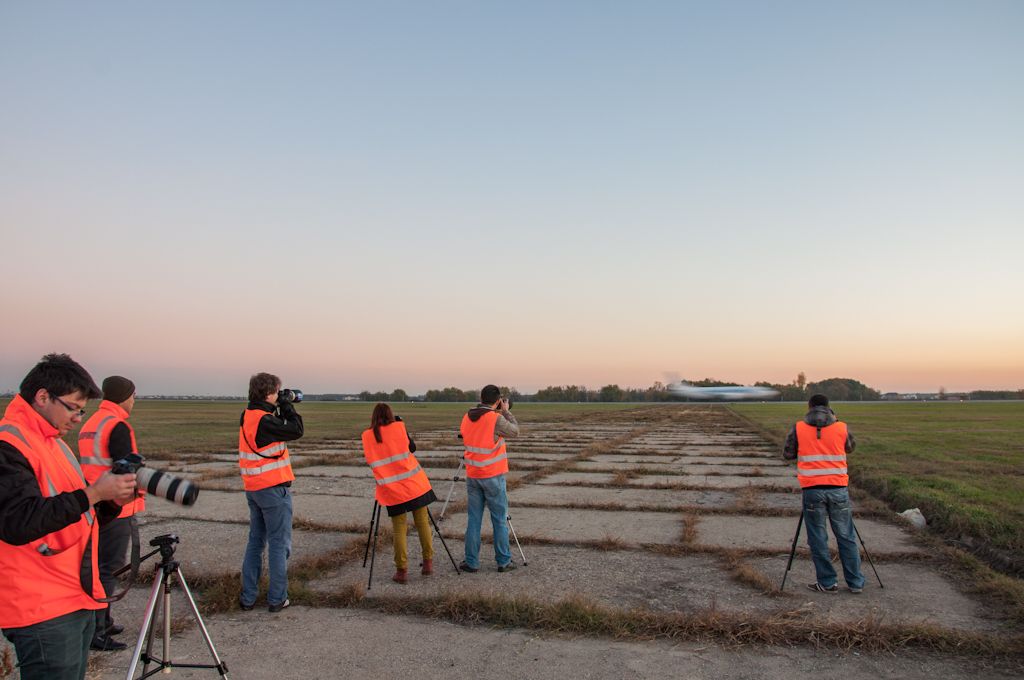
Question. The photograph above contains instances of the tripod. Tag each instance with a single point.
(375, 529)
(166, 568)
(796, 537)
(508, 516)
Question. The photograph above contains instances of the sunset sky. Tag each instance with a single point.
(406, 194)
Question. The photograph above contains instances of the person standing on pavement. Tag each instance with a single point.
(820, 443)
(483, 431)
(49, 523)
(105, 437)
(266, 424)
(401, 486)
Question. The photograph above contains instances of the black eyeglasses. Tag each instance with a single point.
(80, 412)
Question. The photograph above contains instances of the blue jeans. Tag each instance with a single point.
(57, 649)
(270, 522)
(489, 492)
(832, 505)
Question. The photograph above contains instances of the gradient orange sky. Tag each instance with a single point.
(527, 196)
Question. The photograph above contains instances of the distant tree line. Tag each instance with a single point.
(837, 389)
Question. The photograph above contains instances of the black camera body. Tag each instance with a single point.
(289, 396)
(155, 482)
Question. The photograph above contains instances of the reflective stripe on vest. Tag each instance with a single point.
(96, 437)
(821, 455)
(261, 467)
(484, 457)
(398, 475)
(267, 467)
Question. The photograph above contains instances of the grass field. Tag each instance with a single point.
(962, 464)
(169, 427)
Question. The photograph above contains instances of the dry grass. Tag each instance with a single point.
(6, 663)
(688, 534)
(577, 615)
(609, 542)
(747, 574)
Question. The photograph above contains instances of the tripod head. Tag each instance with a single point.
(165, 544)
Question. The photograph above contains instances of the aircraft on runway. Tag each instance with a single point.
(726, 392)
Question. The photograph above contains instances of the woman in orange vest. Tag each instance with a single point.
(402, 485)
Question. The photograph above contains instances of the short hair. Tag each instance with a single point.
(817, 400)
(59, 375)
(262, 384)
(490, 394)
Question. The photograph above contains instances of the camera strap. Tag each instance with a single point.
(86, 572)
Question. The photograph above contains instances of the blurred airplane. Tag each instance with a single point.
(727, 392)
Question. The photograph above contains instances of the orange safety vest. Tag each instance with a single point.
(821, 455)
(43, 578)
(264, 467)
(485, 456)
(94, 448)
(399, 475)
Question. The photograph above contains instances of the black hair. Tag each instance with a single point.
(59, 375)
(490, 394)
(817, 400)
(262, 384)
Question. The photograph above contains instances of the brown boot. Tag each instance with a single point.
(428, 567)
(401, 576)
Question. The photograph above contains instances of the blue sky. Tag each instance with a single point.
(422, 194)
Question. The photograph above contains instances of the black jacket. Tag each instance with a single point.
(27, 515)
(281, 424)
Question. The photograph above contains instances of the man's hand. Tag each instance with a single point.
(503, 405)
(111, 487)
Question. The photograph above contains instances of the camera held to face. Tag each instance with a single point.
(289, 396)
(174, 489)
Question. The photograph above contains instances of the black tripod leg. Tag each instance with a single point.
(792, 551)
(373, 553)
(867, 554)
(443, 543)
(369, 534)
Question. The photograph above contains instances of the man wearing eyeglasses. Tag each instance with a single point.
(49, 523)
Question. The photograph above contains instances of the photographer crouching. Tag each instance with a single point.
(49, 529)
(266, 424)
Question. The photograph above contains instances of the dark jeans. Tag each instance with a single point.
(270, 525)
(57, 649)
(824, 507)
(114, 539)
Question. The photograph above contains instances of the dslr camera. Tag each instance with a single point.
(289, 396)
(155, 482)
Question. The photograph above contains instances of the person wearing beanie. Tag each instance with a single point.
(49, 523)
(819, 444)
(104, 438)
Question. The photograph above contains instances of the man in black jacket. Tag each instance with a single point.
(49, 520)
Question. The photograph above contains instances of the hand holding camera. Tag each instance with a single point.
(119, 488)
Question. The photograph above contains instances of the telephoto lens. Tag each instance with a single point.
(155, 482)
(166, 485)
(288, 395)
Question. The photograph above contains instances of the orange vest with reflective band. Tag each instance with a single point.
(484, 457)
(398, 474)
(42, 579)
(94, 448)
(264, 467)
(821, 460)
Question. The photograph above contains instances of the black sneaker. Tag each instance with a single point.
(466, 568)
(508, 567)
(818, 588)
(245, 607)
(115, 630)
(106, 644)
(275, 608)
